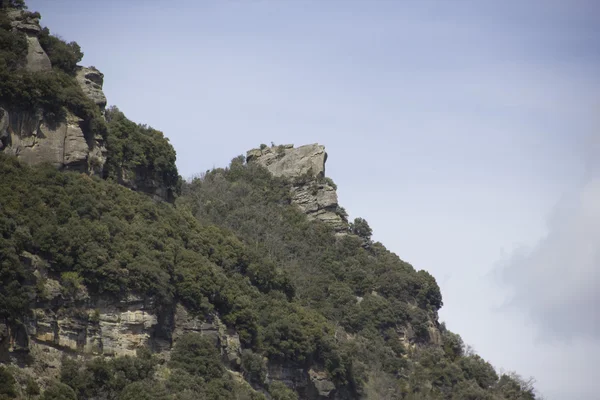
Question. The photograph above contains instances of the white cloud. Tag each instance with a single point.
(557, 281)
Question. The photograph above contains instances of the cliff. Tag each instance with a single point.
(245, 286)
(53, 111)
(311, 191)
(65, 143)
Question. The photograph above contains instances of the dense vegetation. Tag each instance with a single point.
(55, 92)
(284, 283)
(139, 153)
(232, 245)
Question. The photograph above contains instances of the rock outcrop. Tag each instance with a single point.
(312, 192)
(28, 135)
(34, 140)
(91, 81)
(29, 24)
(68, 320)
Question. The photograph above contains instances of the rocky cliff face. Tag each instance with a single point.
(66, 144)
(68, 321)
(29, 24)
(312, 192)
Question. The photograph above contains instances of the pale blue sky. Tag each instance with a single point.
(453, 127)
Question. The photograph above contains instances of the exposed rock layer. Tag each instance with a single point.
(32, 138)
(305, 167)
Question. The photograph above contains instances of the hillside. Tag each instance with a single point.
(121, 281)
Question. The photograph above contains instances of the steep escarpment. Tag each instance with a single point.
(42, 132)
(311, 191)
(52, 110)
(250, 284)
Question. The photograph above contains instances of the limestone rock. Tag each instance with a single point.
(24, 21)
(35, 141)
(305, 167)
(226, 339)
(27, 135)
(91, 81)
(37, 59)
(290, 162)
(319, 201)
(101, 328)
(29, 24)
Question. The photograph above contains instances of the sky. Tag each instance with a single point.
(466, 133)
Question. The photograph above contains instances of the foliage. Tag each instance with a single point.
(18, 4)
(138, 152)
(58, 391)
(279, 391)
(63, 56)
(7, 384)
(360, 227)
(231, 246)
(253, 367)
(197, 355)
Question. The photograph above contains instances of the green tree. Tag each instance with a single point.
(197, 355)
(279, 391)
(63, 55)
(7, 384)
(361, 228)
(19, 4)
(58, 391)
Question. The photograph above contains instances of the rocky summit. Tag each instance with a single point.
(119, 280)
(29, 135)
(315, 195)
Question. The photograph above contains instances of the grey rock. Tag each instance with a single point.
(22, 21)
(227, 340)
(305, 166)
(33, 140)
(4, 124)
(37, 59)
(322, 385)
(290, 162)
(91, 80)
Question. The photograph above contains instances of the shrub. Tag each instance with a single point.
(7, 384)
(197, 355)
(63, 55)
(58, 391)
(360, 227)
(253, 367)
(279, 391)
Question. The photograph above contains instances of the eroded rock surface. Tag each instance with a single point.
(33, 139)
(315, 195)
(91, 81)
(27, 23)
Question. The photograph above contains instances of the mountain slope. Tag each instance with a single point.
(246, 283)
